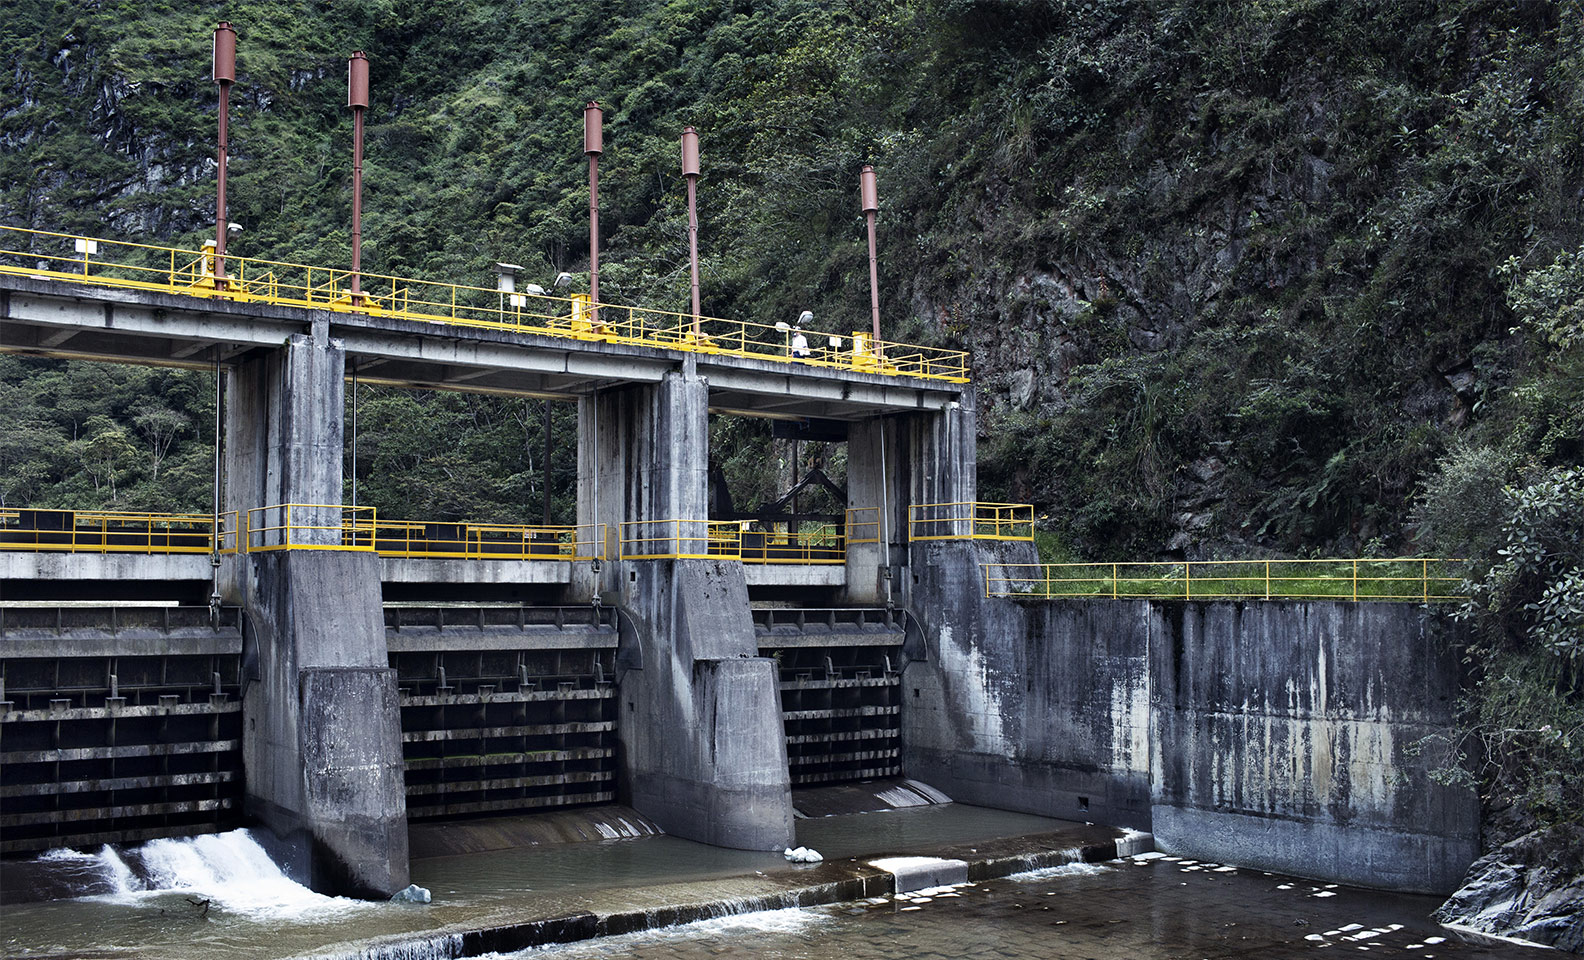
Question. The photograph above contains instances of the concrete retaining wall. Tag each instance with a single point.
(1287, 736)
(1292, 736)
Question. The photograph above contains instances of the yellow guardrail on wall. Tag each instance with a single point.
(105, 531)
(681, 540)
(971, 520)
(814, 543)
(1408, 578)
(114, 263)
(488, 541)
(310, 526)
(863, 525)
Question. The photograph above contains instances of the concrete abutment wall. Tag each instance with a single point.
(1289, 736)
(699, 720)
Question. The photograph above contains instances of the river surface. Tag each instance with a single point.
(211, 897)
(1135, 909)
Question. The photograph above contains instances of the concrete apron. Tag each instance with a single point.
(798, 886)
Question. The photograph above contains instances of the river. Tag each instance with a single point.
(221, 895)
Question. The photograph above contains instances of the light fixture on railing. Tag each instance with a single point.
(562, 281)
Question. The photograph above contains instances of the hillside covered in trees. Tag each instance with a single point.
(1286, 278)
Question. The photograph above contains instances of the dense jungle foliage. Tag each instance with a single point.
(1265, 278)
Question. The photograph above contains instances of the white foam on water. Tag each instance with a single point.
(928, 791)
(607, 832)
(785, 921)
(1325, 893)
(901, 797)
(1063, 870)
(234, 872)
(106, 867)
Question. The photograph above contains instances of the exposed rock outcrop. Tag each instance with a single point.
(1529, 889)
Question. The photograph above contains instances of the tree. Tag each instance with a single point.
(105, 453)
(160, 426)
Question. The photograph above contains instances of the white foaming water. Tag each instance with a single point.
(234, 871)
(229, 869)
(1064, 870)
(788, 920)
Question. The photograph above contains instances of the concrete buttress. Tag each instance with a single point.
(321, 723)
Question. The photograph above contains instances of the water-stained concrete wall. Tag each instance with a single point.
(1038, 708)
(1302, 736)
(1289, 736)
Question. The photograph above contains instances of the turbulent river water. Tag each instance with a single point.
(222, 896)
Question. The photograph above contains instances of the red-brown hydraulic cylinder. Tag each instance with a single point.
(358, 100)
(690, 171)
(224, 75)
(871, 206)
(593, 146)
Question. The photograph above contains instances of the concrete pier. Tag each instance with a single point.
(321, 726)
(703, 749)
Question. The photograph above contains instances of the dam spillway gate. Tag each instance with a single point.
(839, 671)
(117, 724)
(504, 709)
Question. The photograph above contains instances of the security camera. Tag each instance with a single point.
(563, 280)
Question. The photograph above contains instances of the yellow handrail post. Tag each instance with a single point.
(1113, 581)
(1424, 578)
(1187, 579)
(1355, 579)
(1267, 579)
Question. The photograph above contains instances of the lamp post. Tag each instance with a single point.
(871, 207)
(690, 171)
(224, 75)
(593, 146)
(358, 100)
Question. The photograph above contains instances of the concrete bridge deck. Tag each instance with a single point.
(54, 318)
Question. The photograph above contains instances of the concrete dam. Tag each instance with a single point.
(304, 665)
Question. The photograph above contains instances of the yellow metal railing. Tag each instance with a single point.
(114, 263)
(1409, 578)
(971, 520)
(681, 540)
(863, 525)
(105, 531)
(489, 541)
(310, 526)
(816, 543)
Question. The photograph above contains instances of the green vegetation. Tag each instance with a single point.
(1288, 278)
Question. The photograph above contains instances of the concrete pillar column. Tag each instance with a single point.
(876, 495)
(321, 720)
(703, 748)
(951, 729)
